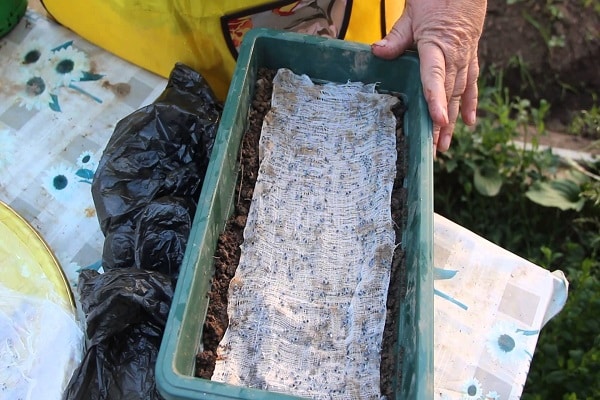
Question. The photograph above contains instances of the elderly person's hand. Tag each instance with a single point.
(446, 34)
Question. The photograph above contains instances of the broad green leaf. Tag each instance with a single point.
(488, 181)
(470, 164)
(561, 193)
(451, 165)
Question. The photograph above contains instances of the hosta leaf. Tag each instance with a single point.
(488, 181)
(561, 193)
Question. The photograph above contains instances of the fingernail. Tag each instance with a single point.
(445, 142)
(381, 43)
(472, 117)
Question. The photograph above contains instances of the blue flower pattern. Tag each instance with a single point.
(45, 76)
(59, 179)
(506, 343)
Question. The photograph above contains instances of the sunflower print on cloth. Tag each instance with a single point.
(43, 73)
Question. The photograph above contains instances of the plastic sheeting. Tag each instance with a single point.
(145, 191)
(41, 344)
(126, 313)
(150, 175)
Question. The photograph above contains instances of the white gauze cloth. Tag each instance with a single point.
(307, 304)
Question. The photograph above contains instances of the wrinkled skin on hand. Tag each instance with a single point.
(446, 34)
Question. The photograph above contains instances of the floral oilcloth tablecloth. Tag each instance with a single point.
(489, 308)
(60, 98)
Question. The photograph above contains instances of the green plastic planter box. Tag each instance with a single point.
(327, 60)
(11, 12)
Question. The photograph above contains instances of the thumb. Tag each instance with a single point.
(399, 39)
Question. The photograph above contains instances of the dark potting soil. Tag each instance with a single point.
(227, 254)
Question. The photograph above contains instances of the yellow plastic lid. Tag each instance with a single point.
(27, 263)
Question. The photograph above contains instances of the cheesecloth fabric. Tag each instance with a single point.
(308, 301)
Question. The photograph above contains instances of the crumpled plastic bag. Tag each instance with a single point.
(126, 312)
(149, 178)
(145, 190)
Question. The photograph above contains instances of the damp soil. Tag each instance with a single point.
(228, 252)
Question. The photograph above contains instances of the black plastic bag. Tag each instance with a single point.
(126, 313)
(145, 191)
(154, 166)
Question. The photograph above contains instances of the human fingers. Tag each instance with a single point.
(446, 131)
(456, 82)
(433, 78)
(469, 97)
(399, 38)
(464, 97)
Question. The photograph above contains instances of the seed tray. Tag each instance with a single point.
(329, 60)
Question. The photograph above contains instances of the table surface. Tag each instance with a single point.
(489, 304)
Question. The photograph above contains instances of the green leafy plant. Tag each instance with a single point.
(518, 64)
(593, 4)
(567, 360)
(562, 193)
(586, 123)
(544, 28)
(491, 152)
